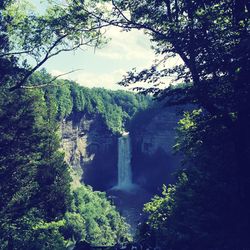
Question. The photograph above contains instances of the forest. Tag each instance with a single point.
(43, 206)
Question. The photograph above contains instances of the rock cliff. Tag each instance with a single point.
(154, 161)
(159, 133)
(91, 149)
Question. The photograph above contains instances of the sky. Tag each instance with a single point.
(106, 66)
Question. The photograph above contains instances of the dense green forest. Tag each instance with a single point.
(117, 108)
(208, 207)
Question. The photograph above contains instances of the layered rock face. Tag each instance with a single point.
(154, 161)
(159, 133)
(91, 149)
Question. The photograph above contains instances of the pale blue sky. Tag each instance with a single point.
(104, 67)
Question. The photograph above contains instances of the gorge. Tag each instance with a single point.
(92, 150)
(129, 167)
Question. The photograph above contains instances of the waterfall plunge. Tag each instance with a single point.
(124, 164)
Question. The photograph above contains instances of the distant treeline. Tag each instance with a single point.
(117, 108)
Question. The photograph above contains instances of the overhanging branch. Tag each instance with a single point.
(50, 83)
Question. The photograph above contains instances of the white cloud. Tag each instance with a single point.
(56, 72)
(130, 46)
(109, 80)
(105, 80)
(106, 66)
(91, 79)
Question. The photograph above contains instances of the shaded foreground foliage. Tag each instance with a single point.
(35, 180)
(208, 208)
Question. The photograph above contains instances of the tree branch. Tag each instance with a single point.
(19, 84)
(49, 53)
(50, 83)
(15, 53)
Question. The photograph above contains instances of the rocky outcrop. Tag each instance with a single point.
(91, 149)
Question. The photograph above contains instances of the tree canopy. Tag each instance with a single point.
(208, 207)
(32, 38)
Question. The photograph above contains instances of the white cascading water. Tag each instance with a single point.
(124, 163)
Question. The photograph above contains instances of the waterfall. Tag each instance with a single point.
(124, 165)
(124, 162)
(124, 182)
